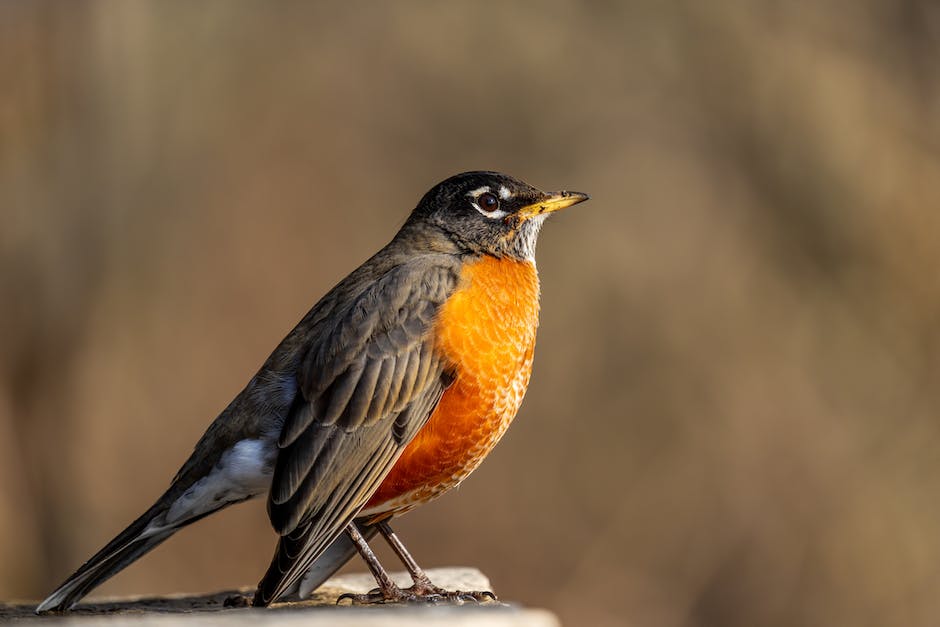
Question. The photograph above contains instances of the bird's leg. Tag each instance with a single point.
(388, 590)
(423, 588)
(422, 583)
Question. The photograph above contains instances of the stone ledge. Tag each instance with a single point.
(320, 609)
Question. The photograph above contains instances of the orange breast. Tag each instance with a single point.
(487, 328)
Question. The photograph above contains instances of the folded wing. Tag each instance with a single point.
(368, 383)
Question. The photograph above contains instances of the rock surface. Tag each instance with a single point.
(320, 609)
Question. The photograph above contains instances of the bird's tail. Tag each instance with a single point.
(297, 569)
(330, 561)
(141, 536)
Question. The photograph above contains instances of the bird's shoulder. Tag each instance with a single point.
(383, 296)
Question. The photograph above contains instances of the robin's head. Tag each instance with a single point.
(490, 213)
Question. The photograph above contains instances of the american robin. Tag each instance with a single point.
(388, 393)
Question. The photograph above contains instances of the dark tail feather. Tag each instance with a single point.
(330, 561)
(290, 548)
(120, 552)
(293, 547)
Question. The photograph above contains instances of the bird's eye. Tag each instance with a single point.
(488, 202)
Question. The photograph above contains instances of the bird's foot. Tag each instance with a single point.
(424, 590)
(369, 598)
(460, 597)
(419, 593)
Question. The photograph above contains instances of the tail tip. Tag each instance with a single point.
(55, 603)
(48, 607)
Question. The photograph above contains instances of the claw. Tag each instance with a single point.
(369, 598)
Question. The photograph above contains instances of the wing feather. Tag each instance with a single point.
(357, 408)
(305, 450)
(382, 387)
(395, 384)
(340, 393)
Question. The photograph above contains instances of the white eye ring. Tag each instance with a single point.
(493, 215)
(479, 194)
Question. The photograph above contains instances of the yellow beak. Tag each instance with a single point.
(552, 201)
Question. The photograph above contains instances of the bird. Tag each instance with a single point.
(389, 392)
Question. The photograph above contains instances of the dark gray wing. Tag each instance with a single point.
(368, 383)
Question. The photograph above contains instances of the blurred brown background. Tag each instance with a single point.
(733, 418)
